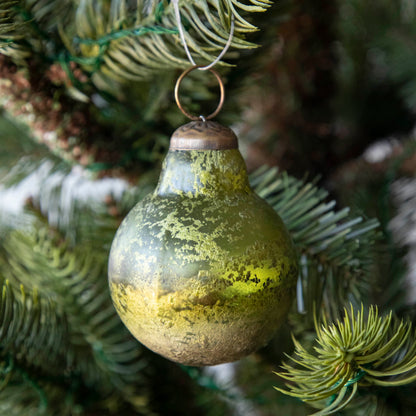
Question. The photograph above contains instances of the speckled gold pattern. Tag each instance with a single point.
(202, 271)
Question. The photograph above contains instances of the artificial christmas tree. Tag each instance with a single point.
(87, 112)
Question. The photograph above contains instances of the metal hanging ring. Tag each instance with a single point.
(222, 94)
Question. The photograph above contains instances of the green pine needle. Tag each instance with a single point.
(123, 41)
(131, 43)
(11, 28)
(350, 353)
(72, 326)
(334, 247)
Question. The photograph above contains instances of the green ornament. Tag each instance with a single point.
(203, 271)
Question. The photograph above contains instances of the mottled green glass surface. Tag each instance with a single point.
(202, 271)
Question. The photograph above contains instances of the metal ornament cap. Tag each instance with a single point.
(203, 135)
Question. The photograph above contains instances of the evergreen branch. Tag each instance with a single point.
(134, 48)
(33, 336)
(348, 354)
(11, 31)
(28, 393)
(17, 16)
(98, 347)
(330, 241)
(122, 40)
(32, 26)
(31, 329)
(21, 398)
(7, 24)
(48, 13)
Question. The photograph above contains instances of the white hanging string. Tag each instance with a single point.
(182, 36)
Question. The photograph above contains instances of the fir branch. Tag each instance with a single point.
(11, 32)
(33, 354)
(32, 330)
(21, 398)
(26, 25)
(6, 17)
(334, 248)
(99, 349)
(120, 40)
(49, 14)
(399, 47)
(348, 354)
(127, 48)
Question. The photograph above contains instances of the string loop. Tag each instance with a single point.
(183, 40)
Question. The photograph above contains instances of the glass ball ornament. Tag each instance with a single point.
(203, 271)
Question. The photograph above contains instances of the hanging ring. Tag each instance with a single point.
(222, 94)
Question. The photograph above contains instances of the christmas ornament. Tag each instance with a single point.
(202, 271)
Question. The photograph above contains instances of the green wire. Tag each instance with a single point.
(139, 31)
(349, 383)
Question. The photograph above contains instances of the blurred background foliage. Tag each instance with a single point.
(324, 90)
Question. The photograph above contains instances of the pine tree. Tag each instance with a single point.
(87, 112)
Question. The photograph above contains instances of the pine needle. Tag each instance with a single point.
(351, 353)
(334, 247)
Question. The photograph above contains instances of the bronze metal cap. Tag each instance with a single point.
(203, 135)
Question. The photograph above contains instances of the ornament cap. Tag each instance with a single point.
(203, 135)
